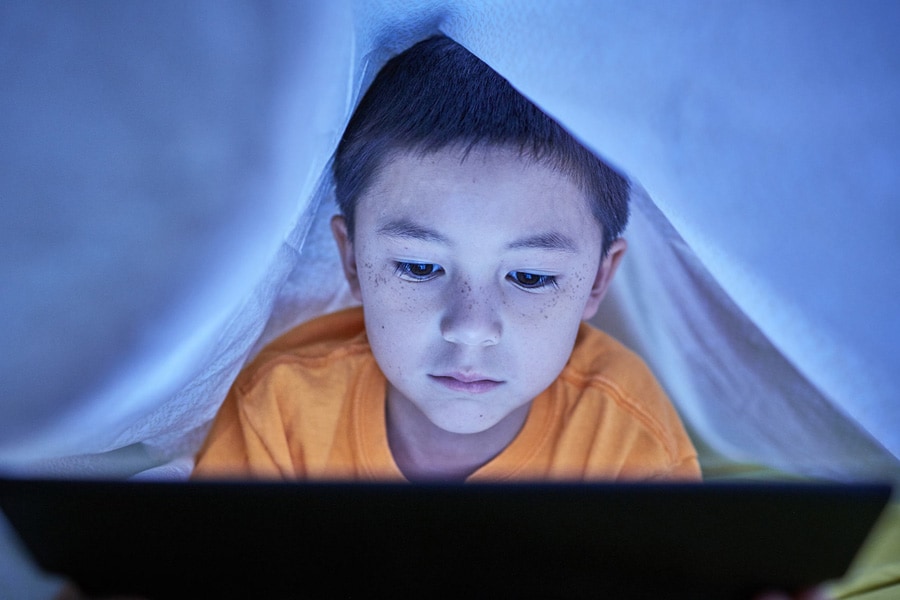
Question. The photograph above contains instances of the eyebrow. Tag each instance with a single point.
(405, 228)
(545, 241)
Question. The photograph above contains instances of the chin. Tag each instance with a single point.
(466, 428)
(469, 424)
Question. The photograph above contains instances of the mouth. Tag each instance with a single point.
(470, 383)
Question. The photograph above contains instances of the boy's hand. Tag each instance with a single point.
(70, 591)
(816, 593)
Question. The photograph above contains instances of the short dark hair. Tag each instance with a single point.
(436, 95)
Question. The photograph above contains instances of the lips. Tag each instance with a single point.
(469, 383)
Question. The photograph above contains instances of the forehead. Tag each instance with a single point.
(484, 186)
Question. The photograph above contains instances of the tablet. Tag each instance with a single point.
(341, 540)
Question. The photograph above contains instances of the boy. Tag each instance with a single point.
(478, 235)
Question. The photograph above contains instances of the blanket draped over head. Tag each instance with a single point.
(165, 194)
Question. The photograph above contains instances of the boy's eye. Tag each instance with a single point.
(418, 271)
(531, 281)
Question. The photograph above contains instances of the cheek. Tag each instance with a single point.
(394, 308)
(557, 308)
(370, 278)
(389, 295)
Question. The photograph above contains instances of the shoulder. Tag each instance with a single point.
(312, 349)
(285, 408)
(610, 385)
(320, 336)
(598, 359)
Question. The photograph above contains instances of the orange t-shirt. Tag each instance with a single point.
(312, 406)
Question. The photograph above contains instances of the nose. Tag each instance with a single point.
(471, 319)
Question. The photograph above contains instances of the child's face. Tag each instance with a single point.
(474, 276)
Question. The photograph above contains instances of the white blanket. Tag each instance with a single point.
(164, 190)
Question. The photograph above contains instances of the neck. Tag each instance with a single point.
(425, 452)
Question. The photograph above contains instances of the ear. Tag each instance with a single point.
(605, 273)
(347, 254)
